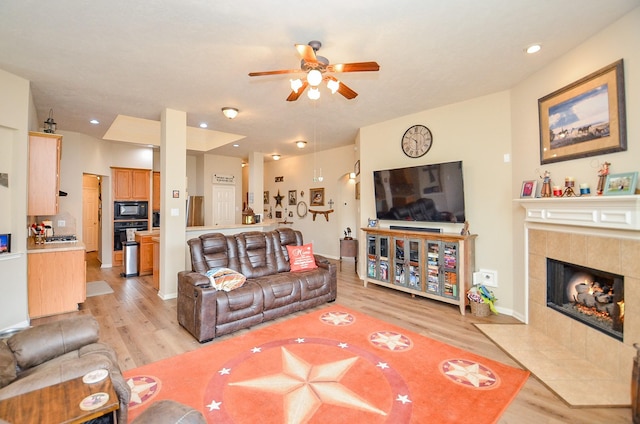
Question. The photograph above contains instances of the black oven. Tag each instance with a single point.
(130, 210)
(120, 231)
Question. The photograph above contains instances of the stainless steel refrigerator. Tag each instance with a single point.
(195, 211)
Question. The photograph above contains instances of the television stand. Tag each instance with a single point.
(438, 266)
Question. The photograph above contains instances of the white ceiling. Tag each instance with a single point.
(105, 58)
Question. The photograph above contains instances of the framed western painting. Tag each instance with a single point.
(586, 118)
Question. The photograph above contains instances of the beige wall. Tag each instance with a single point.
(298, 175)
(15, 106)
(619, 41)
(221, 165)
(477, 132)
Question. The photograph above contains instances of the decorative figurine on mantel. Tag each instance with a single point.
(546, 185)
(465, 229)
(602, 177)
(347, 234)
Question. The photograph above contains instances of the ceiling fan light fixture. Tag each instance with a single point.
(313, 93)
(296, 84)
(333, 85)
(314, 77)
(301, 144)
(230, 112)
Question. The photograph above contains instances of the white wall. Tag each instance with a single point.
(298, 175)
(618, 41)
(477, 132)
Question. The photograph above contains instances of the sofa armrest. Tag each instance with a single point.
(193, 278)
(39, 344)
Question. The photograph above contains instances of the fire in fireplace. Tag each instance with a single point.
(593, 297)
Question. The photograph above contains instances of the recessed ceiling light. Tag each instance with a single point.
(236, 145)
(301, 144)
(275, 157)
(203, 125)
(94, 122)
(534, 48)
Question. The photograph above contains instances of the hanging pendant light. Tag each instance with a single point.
(50, 124)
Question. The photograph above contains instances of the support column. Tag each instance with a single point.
(173, 171)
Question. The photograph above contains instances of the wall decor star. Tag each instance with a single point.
(278, 198)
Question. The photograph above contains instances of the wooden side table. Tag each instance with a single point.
(349, 249)
(59, 403)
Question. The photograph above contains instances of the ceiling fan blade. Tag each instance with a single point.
(343, 89)
(294, 96)
(279, 72)
(354, 67)
(307, 53)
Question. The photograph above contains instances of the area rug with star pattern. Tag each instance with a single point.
(331, 365)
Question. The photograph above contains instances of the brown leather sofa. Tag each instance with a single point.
(170, 412)
(55, 352)
(269, 292)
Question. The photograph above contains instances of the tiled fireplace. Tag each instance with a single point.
(593, 233)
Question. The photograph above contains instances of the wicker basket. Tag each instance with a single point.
(479, 309)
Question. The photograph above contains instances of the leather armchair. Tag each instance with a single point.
(55, 352)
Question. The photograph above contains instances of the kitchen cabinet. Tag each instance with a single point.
(56, 280)
(156, 262)
(438, 266)
(145, 253)
(155, 199)
(44, 173)
(131, 184)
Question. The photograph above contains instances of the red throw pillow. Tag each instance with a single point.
(301, 258)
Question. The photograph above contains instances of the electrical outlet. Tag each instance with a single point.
(62, 223)
(487, 277)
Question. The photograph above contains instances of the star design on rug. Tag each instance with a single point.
(390, 340)
(225, 371)
(337, 318)
(305, 387)
(300, 340)
(467, 372)
(403, 398)
(256, 350)
(214, 405)
(382, 365)
(343, 345)
(141, 388)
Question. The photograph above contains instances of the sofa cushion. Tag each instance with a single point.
(225, 279)
(8, 371)
(301, 257)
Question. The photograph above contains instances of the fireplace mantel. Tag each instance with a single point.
(611, 212)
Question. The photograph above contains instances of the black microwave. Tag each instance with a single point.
(130, 210)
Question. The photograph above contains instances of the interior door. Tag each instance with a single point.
(224, 204)
(90, 206)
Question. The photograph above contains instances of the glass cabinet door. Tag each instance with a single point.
(450, 270)
(433, 267)
(413, 258)
(383, 264)
(398, 263)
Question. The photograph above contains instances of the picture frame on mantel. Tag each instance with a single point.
(585, 118)
(621, 184)
(528, 190)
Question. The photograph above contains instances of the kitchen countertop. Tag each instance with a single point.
(32, 247)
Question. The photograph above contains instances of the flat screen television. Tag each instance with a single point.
(424, 193)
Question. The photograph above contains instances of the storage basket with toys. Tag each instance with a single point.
(481, 301)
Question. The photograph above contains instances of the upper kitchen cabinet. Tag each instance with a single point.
(44, 173)
(131, 184)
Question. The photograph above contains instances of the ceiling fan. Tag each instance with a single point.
(316, 67)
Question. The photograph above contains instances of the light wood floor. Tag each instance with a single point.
(142, 328)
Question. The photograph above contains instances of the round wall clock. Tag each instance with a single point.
(417, 141)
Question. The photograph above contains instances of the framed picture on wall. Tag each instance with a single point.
(317, 196)
(585, 118)
(5, 243)
(293, 197)
(265, 198)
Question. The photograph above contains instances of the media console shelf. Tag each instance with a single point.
(438, 266)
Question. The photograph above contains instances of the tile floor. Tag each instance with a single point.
(579, 382)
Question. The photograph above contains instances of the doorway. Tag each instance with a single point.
(224, 205)
(91, 211)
